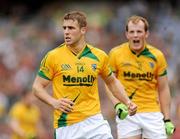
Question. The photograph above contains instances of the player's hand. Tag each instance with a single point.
(65, 105)
(132, 108)
(170, 128)
(121, 110)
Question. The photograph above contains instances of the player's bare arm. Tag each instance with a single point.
(39, 89)
(164, 96)
(119, 93)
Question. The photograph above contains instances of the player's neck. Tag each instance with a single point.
(77, 47)
(137, 51)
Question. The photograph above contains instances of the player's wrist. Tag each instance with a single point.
(128, 102)
(119, 105)
(121, 110)
(167, 120)
(115, 106)
(169, 127)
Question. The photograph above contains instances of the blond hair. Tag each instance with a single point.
(76, 15)
(135, 19)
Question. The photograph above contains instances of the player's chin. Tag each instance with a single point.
(68, 43)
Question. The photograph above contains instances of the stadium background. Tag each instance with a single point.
(29, 28)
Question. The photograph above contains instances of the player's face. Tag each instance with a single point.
(136, 35)
(73, 34)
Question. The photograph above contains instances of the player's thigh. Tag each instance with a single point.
(128, 128)
(153, 125)
(97, 128)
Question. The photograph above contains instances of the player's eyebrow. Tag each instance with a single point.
(70, 27)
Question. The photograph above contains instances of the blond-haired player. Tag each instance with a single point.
(73, 68)
(142, 69)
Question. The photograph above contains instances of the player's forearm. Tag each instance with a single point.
(113, 99)
(165, 101)
(164, 96)
(121, 95)
(43, 95)
(118, 91)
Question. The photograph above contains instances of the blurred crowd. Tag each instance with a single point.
(25, 38)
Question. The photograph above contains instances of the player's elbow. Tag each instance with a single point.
(35, 89)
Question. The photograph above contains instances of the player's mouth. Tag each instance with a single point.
(136, 42)
(67, 39)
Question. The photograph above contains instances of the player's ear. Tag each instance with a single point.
(126, 34)
(147, 34)
(83, 30)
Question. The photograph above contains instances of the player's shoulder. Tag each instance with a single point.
(95, 50)
(154, 50)
(55, 51)
(120, 48)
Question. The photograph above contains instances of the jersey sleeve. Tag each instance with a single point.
(106, 70)
(112, 61)
(161, 65)
(46, 67)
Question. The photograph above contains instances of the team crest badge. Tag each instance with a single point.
(94, 67)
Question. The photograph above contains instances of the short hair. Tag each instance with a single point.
(76, 15)
(135, 19)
